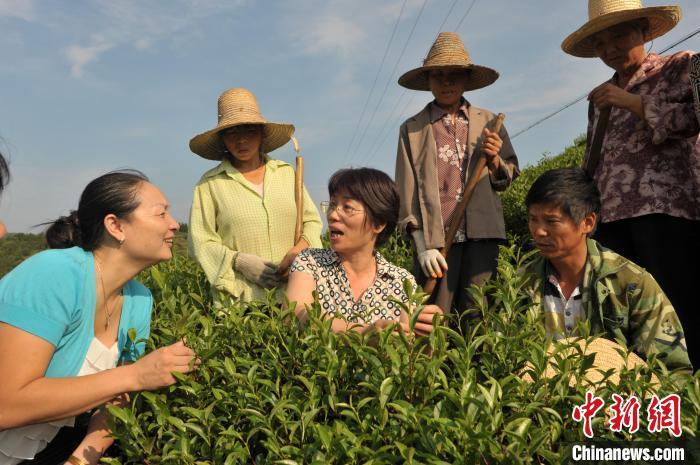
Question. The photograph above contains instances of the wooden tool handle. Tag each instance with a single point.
(461, 210)
(597, 142)
(298, 193)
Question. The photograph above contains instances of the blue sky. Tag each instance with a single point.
(92, 86)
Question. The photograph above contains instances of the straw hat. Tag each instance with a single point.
(236, 107)
(694, 72)
(603, 14)
(448, 52)
(609, 355)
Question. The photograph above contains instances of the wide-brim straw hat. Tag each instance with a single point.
(448, 52)
(603, 14)
(236, 107)
(610, 358)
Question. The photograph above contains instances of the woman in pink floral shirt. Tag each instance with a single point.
(649, 170)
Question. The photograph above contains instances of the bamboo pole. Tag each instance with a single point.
(431, 284)
(298, 192)
(597, 142)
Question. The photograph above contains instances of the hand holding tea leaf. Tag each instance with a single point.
(381, 325)
(424, 321)
(155, 369)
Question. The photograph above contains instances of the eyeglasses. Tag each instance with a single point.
(345, 210)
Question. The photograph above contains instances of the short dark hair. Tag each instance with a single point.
(570, 189)
(112, 193)
(375, 190)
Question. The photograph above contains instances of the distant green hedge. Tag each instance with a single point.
(16, 247)
(513, 199)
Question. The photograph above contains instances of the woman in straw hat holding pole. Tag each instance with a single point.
(646, 170)
(439, 150)
(243, 213)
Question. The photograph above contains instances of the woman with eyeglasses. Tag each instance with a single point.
(354, 282)
(242, 222)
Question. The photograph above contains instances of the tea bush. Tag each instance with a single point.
(270, 391)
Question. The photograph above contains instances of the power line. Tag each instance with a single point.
(402, 116)
(381, 99)
(386, 123)
(376, 78)
(696, 32)
(465, 15)
(556, 112)
(446, 16)
(381, 137)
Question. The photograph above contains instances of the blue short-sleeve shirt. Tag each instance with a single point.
(52, 295)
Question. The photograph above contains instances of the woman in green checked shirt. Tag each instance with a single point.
(241, 228)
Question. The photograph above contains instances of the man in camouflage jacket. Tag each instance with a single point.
(577, 280)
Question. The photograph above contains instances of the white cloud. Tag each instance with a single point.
(342, 27)
(139, 25)
(79, 56)
(23, 9)
(333, 34)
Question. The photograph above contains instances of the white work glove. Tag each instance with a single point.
(431, 260)
(256, 270)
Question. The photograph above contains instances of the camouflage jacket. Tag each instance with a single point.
(623, 302)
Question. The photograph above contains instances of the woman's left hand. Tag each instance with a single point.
(491, 146)
(424, 324)
(608, 95)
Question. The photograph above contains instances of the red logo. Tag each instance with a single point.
(625, 414)
(665, 414)
(587, 411)
(661, 414)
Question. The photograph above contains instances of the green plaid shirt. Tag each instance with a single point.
(229, 216)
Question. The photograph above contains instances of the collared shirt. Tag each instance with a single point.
(622, 302)
(453, 160)
(562, 315)
(651, 165)
(334, 292)
(229, 216)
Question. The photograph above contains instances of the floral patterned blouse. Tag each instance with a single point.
(453, 159)
(335, 295)
(651, 165)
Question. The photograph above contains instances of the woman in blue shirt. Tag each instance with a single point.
(65, 315)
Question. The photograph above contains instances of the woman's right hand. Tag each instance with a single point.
(424, 323)
(155, 369)
(257, 270)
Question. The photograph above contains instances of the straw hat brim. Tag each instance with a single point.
(210, 146)
(608, 356)
(661, 20)
(479, 76)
